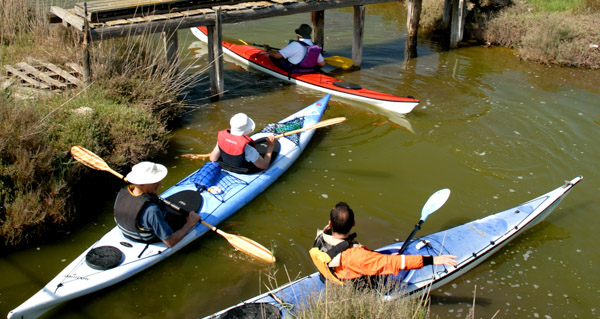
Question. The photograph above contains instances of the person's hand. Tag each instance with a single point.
(193, 218)
(266, 47)
(270, 140)
(448, 260)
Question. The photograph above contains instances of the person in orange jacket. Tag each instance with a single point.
(356, 261)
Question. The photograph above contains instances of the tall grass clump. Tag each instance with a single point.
(350, 301)
(555, 38)
(123, 115)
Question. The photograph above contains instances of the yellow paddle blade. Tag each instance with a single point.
(248, 246)
(195, 156)
(91, 160)
(339, 61)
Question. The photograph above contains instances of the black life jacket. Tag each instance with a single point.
(128, 209)
(323, 253)
(232, 151)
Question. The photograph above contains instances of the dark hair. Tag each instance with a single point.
(342, 218)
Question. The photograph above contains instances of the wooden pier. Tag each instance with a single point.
(104, 19)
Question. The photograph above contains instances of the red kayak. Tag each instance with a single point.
(257, 58)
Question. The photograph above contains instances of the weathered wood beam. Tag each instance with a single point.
(318, 22)
(215, 55)
(447, 15)
(204, 17)
(458, 20)
(171, 43)
(412, 24)
(357, 38)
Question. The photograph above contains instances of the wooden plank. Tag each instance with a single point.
(25, 77)
(205, 16)
(64, 74)
(215, 56)
(110, 10)
(40, 75)
(357, 38)
(68, 18)
(76, 67)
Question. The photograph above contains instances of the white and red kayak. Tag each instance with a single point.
(257, 58)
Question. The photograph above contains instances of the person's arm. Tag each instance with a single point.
(190, 222)
(263, 161)
(272, 52)
(215, 154)
(358, 261)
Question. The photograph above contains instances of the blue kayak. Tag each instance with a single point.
(214, 193)
(472, 243)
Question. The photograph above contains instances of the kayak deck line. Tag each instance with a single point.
(257, 58)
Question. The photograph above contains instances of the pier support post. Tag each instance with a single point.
(357, 38)
(171, 43)
(215, 55)
(412, 24)
(86, 65)
(318, 22)
(447, 15)
(458, 21)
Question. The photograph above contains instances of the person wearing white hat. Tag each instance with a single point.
(236, 151)
(141, 215)
(301, 55)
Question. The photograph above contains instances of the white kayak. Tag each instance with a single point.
(115, 258)
(472, 243)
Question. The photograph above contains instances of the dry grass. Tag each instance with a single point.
(134, 94)
(554, 33)
(559, 38)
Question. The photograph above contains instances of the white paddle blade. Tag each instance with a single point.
(435, 202)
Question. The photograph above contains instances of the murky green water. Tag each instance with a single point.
(495, 130)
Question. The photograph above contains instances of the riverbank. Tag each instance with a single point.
(547, 32)
(123, 116)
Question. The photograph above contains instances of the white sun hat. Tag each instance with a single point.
(241, 124)
(146, 173)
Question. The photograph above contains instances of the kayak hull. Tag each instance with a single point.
(258, 59)
(472, 243)
(235, 190)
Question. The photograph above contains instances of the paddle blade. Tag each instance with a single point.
(248, 246)
(339, 61)
(91, 160)
(195, 156)
(434, 202)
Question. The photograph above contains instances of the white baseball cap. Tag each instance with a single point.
(146, 173)
(241, 124)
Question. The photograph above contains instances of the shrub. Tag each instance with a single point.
(122, 116)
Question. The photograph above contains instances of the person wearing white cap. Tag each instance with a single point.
(141, 215)
(236, 151)
(301, 55)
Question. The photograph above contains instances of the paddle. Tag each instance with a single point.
(241, 243)
(434, 203)
(324, 123)
(335, 60)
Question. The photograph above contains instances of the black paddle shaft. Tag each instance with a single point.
(407, 241)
